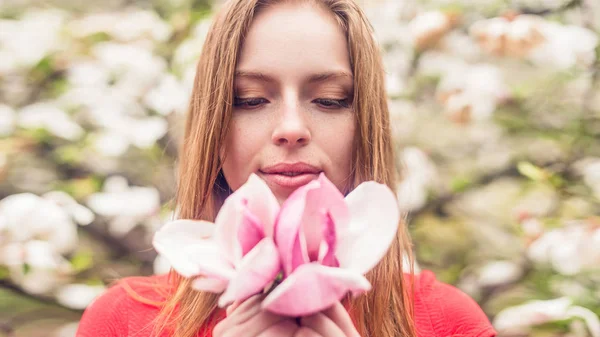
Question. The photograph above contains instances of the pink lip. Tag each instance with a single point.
(279, 174)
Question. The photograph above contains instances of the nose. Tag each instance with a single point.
(292, 129)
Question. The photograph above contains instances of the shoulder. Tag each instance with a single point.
(130, 304)
(442, 310)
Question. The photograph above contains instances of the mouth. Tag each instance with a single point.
(290, 175)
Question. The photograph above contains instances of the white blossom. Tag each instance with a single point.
(135, 68)
(496, 273)
(519, 319)
(427, 28)
(189, 50)
(419, 175)
(569, 250)
(67, 330)
(143, 133)
(78, 296)
(7, 120)
(543, 42)
(589, 169)
(471, 93)
(49, 116)
(26, 216)
(168, 96)
(42, 263)
(88, 74)
(26, 41)
(124, 26)
(126, 206)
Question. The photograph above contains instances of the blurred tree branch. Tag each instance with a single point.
(547, 11)
(38, 298)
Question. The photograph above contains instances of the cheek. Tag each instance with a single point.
(240, 147)
(338, 143)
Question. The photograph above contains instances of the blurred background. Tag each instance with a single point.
(496, 115)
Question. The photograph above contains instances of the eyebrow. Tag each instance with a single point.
(315, 78)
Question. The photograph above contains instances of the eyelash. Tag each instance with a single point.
(253, 103)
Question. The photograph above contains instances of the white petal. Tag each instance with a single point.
(78, 296)
(374, 220)
(174, 239)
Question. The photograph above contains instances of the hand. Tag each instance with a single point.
(333, 322)
(249, 320)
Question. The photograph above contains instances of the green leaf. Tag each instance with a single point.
(82, 260)
(26, 268)
(460, 184)
(533, 172)
(4, 273)
(68, 154)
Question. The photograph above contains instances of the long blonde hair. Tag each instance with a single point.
(387, 309)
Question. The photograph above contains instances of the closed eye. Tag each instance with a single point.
(329, 103)
(249, 103)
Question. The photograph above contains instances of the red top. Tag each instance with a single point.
(441, 310)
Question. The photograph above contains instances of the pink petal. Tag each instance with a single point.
(175, 238)
(374, 223)
(326, 198)
(209, 260)
(312, 288)
(227, 224)
(254, 196)
(287, 229)
(328, 245)
(258, 268)
(261, 202)
(213, 285)
(250, 231)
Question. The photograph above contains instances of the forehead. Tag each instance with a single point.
(291, 40)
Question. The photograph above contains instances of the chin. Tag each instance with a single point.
(282, 196)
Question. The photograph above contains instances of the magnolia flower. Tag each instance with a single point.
(519, 319)
(88, 74)
(496, 273)
(317, 242)
(569, 250)
(26, 216)
(428, 28)
(78, 296)
(472, 92)
(170, 95)
(126, 206)
(32, 261)
(419, 175)
(7, 120)
(24, 42)
(50, 117)
(125, 26)
(188, 51)
(327, 243)
(143, 133)
(544, 42)
(236, 254)
(135, 68)
(589, 169)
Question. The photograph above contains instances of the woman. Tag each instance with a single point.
(287, 90)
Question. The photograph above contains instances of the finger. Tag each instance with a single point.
(285, 328)
(322, 325)
(306, 332)
(246, 310)
(232, 307)
(338, 314)
(258, 323)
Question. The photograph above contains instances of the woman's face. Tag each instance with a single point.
(292, 116)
